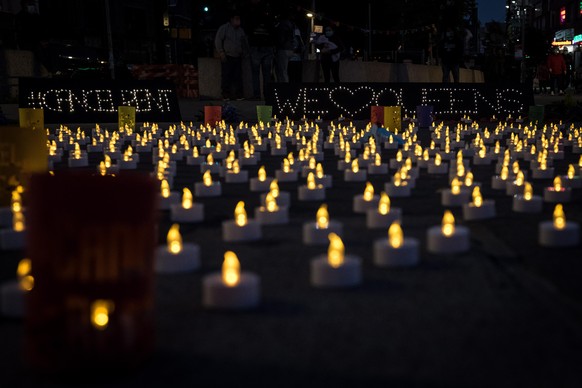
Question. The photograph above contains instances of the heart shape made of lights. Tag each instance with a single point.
(343, 97)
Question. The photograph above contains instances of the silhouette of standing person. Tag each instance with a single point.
(331, 47)
(451, 51)
(230, 45)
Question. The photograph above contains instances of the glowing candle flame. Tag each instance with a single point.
(519, 179)
(210, 159)
(23, 273)
(395, 235)
(235, 166)
(377, 160)
(312, 163)
(107, 161)
(174, 239)
(482, 152)
(571, 171)
(355, 166)
(187, 198)
(319, 171)
(559, 217)
(348, 157)
(207, 179)
(558, 183)
(504, 173)
(286, 166)
(271, 203)
(469, 179)
(18, 222)
(455, 186)
(437, 159)
(165, 187)
(100, 310)
(368, 192)
(311, 181)
(262, 174)
(397, 181)
(208, 144)
(230, 269)
(195, 152)
(77, 152)
(477, 197)
(240, 214)
(274, 188)
(335, 252)
(497, 148)
(322, 217)
(384, 204)
(527, 191)
(16, 201)
(515, 167)
(399, 156)
(448, 224)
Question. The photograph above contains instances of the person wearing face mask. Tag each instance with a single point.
(330, 47)
(451, 52)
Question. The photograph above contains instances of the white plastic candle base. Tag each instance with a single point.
(217, 295)
(440, 169)
(127, 164)
(521, 205)
(342, 165)
(12, 299)
(83, 161)
(250, 161)
(186, 261)
(214, 168)
(574, 183)
(143, 148)
(312, 235)
(450, 199)
(360, 176)
(553, 196)
(378, 170)
(260, 186)
(325, 276)
(549, 236)
(240, 177)
(513, 189)
(278, 151)
(305, 170)
(317, 194)
(166, 203)
(406, 255)
(195, 160)
(456, 243)
(284, 199)
(115, 155)
(194, 214)
(485, 211)
(499, 184)
(207, 150)
(231, 232)
(390, 146)
(95, 148)
(326, 181)
(375, 220)
(11, 239)
(360, 205)
(290, 176)
(543, 174)
(397, 191)
(201, 190)
(279, 217)
(395, 164)
(479, 161)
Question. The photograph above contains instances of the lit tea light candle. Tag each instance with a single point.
(14, 238)
(236, 175)
(336, 269)
(365, 201)
(499, 182)
(571, 180)
(559, 232)
(527, 202)
(543, 171)
(557, 192)
(261, 182)
(398, 188)
(456, 195)
(231, 289)
(396, 251)
(315, 233)
(437, 167)
(478, 209)
(241, 228)
(187, 211)
(78, 158)
(346, 163)
(271, 213)
(286, 173)
(517, 186)
(482, 158)
(167, 197)
(311, 191)
(12, 293)
(448, 238)
(397, 161)
(210, 165)
(310, 167)
(283, 197)
(377, 168)
(384, 215)
(175, 256)
(195, 159)
(321, 178)
(208, 187)
(355, 174)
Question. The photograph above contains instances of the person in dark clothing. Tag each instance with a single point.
(259, 25)
(451, 52)
(28, 27)
(330, 47)
(285, 30)
(230, 44)
(295, 67)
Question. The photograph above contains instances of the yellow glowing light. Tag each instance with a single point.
(515, 167)
(527, 191)
(107, 161)
(335, 252)
(174, 239)
(16, 202)
(195, 152)
(455, 186)
(519, 179)
(384, 204)
(286, 166)
(558, 183)
(271, 203)
(240, 214)
(571, 171)
(230, 269)
(165, 187)
(377, 160)
(25, 279)
(235, 166)
(395, 235)
(559, 217)
(482, 152)
(262, 174)
(355, 166)
(210, 159)
(187, 198)
(102, 168)
(469, 179)
(322, 217)
(18, 222)
(348, 157)
(580, 161)
(77, 152)
(207, 179)
(311, 181)
(274, 188)
(100, 310)
(397, 181)
(497, 148)
(208, 144)
(504, 173)
(312, 163)
(368, 192)
(448, 224)
(438, 159)
(477, 197)
(399, 156)
(319, 171)
(425, 155)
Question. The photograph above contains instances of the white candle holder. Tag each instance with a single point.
(397, 191)
(512, 189)
(479, 161)
(231, 232)
(378, 170)
(324, 275)
(143, 148)
(549, 236)
(485, 211)
(305, 170)
(217, 295)
(290, 176)
(521, 205)
(214, 168)
(279, 151)
(360, 205)
(115, 155)
(277, 217)
(360, 176)
(305, 194)
(195, 160)
(240, 177)
(537, 173)
(386, 256)
(573, 183)
(187, 260)
(456, 243)
(194, 214)
(260, 186)
(497, 183)
(95, 148)
(326, 181)
(12, 303)
(127, 164)
(83, 161)
(375, 220)
(166, 203)
(441, 169)
(312, 235)
(284, 198)
(250, 161)
(450, 199)
(201, 190)
(554, 196)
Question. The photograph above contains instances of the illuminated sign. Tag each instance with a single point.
(353, 100)
(562, 15)
(562, 43)
(81, 101)
(577, 39)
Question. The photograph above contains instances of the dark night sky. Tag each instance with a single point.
(491, 10)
